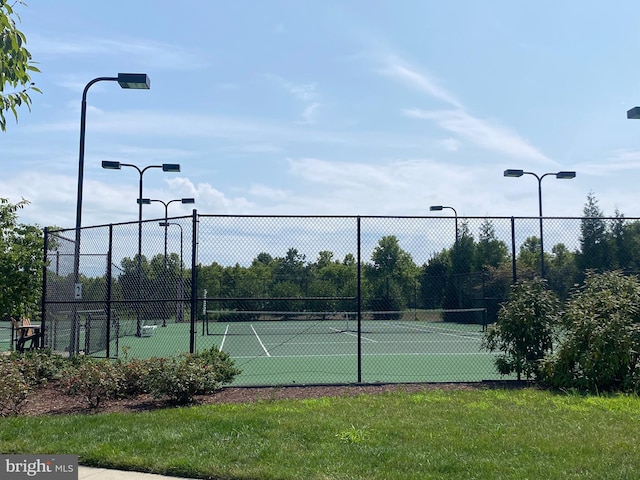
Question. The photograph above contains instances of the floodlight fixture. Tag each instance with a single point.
(634, 113)
(110, 165)
(565, 175)
(170, 167)
(135, 81)
(562, 175)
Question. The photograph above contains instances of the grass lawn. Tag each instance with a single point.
(439, 434)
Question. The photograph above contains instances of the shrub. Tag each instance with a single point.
(95, 380)
(39, 366)
(14, 388)
(600, 350)
(178, 378)
(524, 331)
(134, 375)
(219, 363)
(183, 377)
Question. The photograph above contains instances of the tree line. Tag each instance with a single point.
(476, 271)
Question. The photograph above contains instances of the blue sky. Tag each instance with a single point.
(329, 107)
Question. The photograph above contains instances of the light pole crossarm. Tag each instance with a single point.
(562, 175)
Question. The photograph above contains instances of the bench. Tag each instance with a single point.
(147, 330)
(26, 332)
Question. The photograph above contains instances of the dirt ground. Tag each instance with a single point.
(50, 400)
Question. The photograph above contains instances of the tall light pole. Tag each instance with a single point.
(137, 81)
(166, 167)
(179, 308)
(563, 175)
(438, 208)
(166, 217)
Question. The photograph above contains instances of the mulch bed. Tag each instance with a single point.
(51, 400)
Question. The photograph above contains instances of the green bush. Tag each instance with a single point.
(95, 380)
(524, 331)
(39, 366)
(183, 377)
(179, 378)
(600, 350)
(134, 375)
(219, 363)
(14, 388)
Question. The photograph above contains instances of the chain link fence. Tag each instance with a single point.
(315, 299)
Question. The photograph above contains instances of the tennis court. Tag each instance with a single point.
(324, 349)
(286, 348)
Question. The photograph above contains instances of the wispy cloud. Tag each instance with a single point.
(421, 81)
(450, 144)
(458, 120)
(146, 53)
(618, 161)
(481, 132)
(310, 112)
(396, 187)
(304, 92)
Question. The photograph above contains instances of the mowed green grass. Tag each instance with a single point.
(436, 434)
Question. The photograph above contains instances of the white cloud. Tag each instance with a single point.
(481, 132)
(269, 193)
(303, 92)
(144, 52)
(399, 70)
(310, 112)
(450, 144)
(620, 160)
(210, 200)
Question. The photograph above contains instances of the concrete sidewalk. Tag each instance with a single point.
(91, 473)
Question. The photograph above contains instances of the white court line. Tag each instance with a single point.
(354, 335)
(408, 354)
(224, 337)
(435, 330)
(260, 341)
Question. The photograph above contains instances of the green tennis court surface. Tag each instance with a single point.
(326, 351)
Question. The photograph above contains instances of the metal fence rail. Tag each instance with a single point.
(314, 299)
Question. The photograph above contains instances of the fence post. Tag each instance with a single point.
(43, 304)
(194, 280)
(513, 250)
(359, 293)
(108, 302)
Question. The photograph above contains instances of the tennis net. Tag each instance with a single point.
(330, 322)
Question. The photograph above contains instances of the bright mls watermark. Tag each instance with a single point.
(49, 467)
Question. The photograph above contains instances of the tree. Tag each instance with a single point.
(593, 237)
(489, 250)
(433, 280)
(459, 286)
(524, 332)
(21, 262)
(392, 277)
(16, 65)
(528, 260)
(562, 272)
